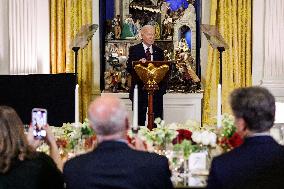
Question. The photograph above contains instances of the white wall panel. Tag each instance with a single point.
(4, 40)
(268, 46)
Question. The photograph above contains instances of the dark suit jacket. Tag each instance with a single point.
(136, 53)
(258, 163)
(115, 165)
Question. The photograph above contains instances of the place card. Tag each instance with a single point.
(197, 161)
(197, 181)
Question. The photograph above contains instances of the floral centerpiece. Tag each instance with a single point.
(229, 138)
(69, 135)
(72, 139)
(159, 137)
(178, 141)
(187, 137)
(191, 137)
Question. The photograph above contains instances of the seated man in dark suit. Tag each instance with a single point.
(113, 164)
(146, 51)
(259, 161)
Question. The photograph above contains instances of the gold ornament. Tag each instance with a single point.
(151, 75)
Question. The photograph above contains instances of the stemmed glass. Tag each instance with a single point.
(176, 160)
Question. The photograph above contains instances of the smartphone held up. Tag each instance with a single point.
(39, 120)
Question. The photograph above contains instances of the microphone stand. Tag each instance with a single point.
(76, 49)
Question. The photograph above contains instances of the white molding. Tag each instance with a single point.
(279, 83)
(267, 59)
(258, 16)
(206, 7)
(273, 40)
(4, 37)
(43, 37)
(276, 87)
(118, 95)
(178, 107)
(96, 47)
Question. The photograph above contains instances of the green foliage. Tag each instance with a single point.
(160, 136)
(228, 125)
(86, 130)
(72, 134)
(187, 147)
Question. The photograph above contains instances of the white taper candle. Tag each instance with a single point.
(77, 104)
(135, 108)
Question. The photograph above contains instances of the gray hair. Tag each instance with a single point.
(147, 27)
(108, 117)
(256, 105)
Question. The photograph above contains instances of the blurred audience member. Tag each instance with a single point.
(259, 161)
(21, 167)
(113, 164)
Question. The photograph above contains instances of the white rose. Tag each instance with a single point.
(205, 140)
(162, 123)
(157, 120)
(196, 137)
(193, 136)
(172, 126)
(213, 139)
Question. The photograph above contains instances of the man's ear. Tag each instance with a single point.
(241, 126)
(126, 124)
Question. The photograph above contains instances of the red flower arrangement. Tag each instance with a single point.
(90, 141)
(234, 141)
(61, 143)
(183, 134)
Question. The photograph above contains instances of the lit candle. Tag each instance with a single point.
(77, 104)
(135, 109)
(219, 107)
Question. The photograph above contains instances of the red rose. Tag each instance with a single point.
(90, 141)
(229, 143)
(235, 140)
(183, 134)
(61, 143)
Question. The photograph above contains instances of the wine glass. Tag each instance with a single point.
(176, 160)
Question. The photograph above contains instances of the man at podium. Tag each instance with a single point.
(146, 51)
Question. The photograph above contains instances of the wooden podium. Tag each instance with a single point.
(151, 73)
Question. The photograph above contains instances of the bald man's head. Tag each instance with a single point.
(108, 116)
